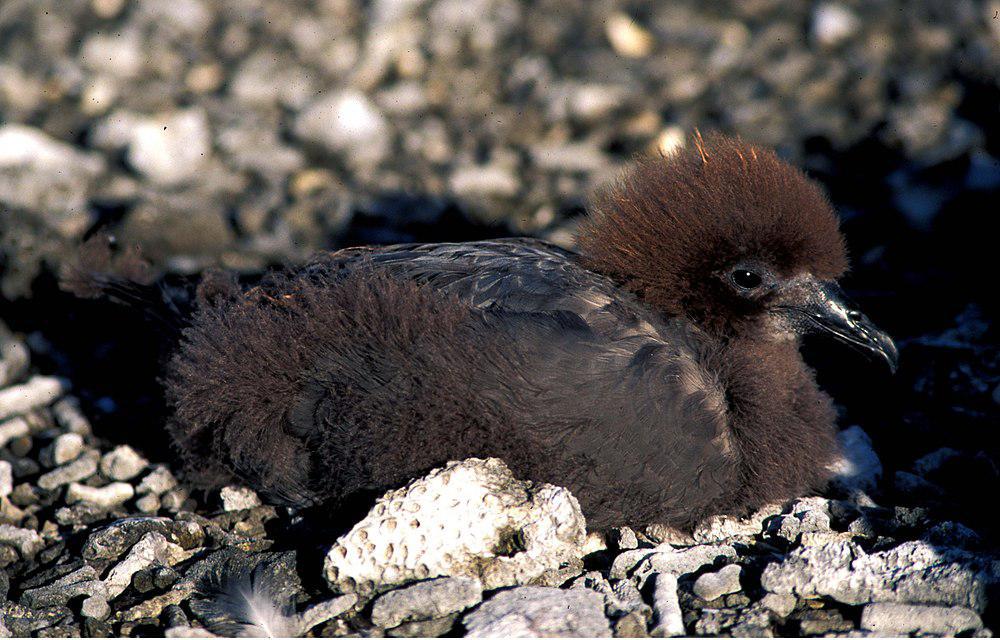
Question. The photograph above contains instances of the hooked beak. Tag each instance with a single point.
(828, 310)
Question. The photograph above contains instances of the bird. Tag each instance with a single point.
(654, 370)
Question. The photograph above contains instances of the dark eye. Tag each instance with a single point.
(746, 279)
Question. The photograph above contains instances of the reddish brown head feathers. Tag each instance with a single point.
(670, 223)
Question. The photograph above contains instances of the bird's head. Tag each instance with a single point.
(734, 239)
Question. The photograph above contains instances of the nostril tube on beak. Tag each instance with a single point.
(829, 311)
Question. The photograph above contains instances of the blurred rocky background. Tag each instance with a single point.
(248, 133)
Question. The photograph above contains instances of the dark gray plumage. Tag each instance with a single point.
(656, 373)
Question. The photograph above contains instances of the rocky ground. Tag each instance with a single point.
(97, 540)
(245, 133)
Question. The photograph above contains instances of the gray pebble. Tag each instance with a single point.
(6, 479)
(80, 469)
(582, 157)
(820, 622)
(832, 23)
(24, 495)
(238, 498)
(36, 392)
(426, 600)
(752, 622)
(157, 482)
(402, 98)
(142, 581)
(95, 607)
(80, 515)
(346, 122)
(8, 555)
(188, 632)
(107, 496)
(781, 604)
(14, 358)
(628, 595)
(65, 448)
(622, 598)
(726, 528)
(809, 515)
(24, 468)
(632, 625)
(12, 429)
(174, 616)
(710, 586)
(494, 181)
(736, 600)
(164, 577)
(625, 562)
(114, 131)
(679, 562)
(121, 57)
(174, 500)
(326, 610)
(594, 580)
(112, 541)
(21, 447)
(148, 504)
(668, 619)
(171, 150)
(152, 548)
(69, 416)
(539, 611)
(83, 581)
(264, 79)
(52, 179)
(27, 541)
(863, 527)
(122, 463)
(20, 621)
(896, 619)
(589, 102)
(910, 572)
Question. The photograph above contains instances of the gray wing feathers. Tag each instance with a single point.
(515, 275)
(614, 387)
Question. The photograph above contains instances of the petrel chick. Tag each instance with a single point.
(655, 373)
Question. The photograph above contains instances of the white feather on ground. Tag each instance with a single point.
(237, 601)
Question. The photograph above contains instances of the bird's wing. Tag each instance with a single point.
(626, 395)
(639, 421)
(611, 401)
(512, 275)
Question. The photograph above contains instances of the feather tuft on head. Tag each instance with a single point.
(670, 222)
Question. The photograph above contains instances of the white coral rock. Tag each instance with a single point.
(470, 518)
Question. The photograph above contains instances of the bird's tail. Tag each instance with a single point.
(98, 272)
(122, 276)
